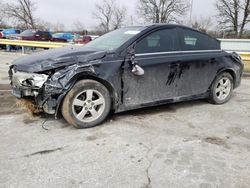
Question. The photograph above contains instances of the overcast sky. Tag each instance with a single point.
(70, 11)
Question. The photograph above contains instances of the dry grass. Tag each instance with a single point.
(29, 106)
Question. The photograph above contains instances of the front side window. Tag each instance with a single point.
(159, 41)
(193, 40)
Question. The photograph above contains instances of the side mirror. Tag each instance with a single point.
(135, 68)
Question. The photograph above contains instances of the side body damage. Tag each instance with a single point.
(57, 76)
(186, 77)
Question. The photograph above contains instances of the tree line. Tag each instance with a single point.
(232, 16)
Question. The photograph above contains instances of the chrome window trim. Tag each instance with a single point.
(176, 52)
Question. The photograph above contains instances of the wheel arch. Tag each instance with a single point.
(108, 85)
(211, 94)
(228, 70)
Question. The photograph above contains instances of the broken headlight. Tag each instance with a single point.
(29, 79)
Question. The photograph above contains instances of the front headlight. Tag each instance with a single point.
(29, 79)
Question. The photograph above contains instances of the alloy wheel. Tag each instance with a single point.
(223, 88)
(88, 105)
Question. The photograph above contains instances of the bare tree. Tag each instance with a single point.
(119, 17)
(162, 11)
(202, 24)
(78, 26)
(2, 23)
(21, 12)
(233, 15)
(58, 26)
(2, 18)
(110, 15)
(104, 14)
(43, 25)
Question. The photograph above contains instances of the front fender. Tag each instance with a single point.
(63, 81)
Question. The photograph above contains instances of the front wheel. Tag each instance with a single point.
(87, 104)
(221, 89)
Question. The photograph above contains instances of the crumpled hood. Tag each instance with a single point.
(55, 58)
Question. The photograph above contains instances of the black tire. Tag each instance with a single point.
(214, 94)
(79, 91)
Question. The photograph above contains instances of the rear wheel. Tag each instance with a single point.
(221, 89)
(87, 104)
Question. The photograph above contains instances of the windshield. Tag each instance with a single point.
(114, 39)
(28, 32)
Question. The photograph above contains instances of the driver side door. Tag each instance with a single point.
(157, 54)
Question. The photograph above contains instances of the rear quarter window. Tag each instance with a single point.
(193, 40)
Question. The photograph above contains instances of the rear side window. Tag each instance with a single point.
(164, 40)
(193, 40)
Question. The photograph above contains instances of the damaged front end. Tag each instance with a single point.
(46, 89)
(29, 88)
(26, 84)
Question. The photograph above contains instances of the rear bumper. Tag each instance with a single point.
(238, 78)
(238, 68)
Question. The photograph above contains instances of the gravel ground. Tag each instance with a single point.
(190, 144)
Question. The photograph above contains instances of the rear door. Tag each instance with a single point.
(199, 65)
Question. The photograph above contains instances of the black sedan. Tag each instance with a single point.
(129, 68)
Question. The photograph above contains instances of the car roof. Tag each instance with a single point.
(159, 25)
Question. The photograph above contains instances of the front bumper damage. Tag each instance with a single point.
(35, 87)
(26, 84)
(46, 89)
(31, 86)
(46, 77)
